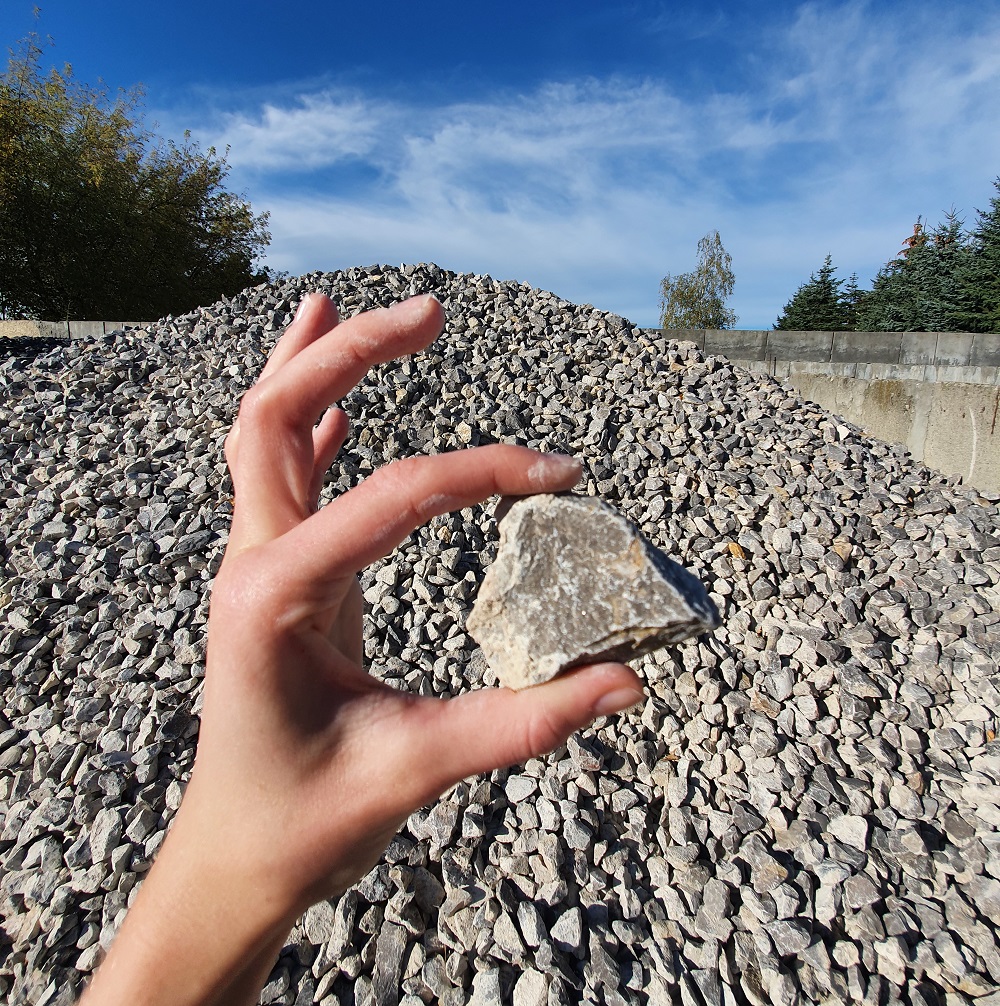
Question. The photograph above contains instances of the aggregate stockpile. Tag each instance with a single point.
(807, 809)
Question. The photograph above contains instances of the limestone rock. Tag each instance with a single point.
(575, 582)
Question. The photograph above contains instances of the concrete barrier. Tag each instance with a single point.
(969, 350)
(936, 393)
(64, 329)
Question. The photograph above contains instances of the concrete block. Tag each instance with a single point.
(985, 350)
(736, 344)
(804, 347)
(85, 329)
(838, 370)
(866, 347)
(954, 349)
(918, 348)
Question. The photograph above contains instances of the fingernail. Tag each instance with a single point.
(562, 462)
(551, 468)
(618, 700)
(412, 308)
(303, 307)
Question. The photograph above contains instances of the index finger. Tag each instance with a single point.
(383, 510)
(276, 448)
(325, 370)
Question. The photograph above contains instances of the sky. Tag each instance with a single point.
(581, 147)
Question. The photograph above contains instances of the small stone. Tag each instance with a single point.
(520, 787)
(788, 937)
(567, 933)
(390, 946)
(104, 834)
(712, 920)
(860, 890)
(845, 953)
(531, 989)
(507, 937)
(850, 829)
(532, 926)
(486, 989)
(574, 582)
(578, 835)
(319, 922)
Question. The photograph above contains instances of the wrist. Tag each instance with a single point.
(203, 929)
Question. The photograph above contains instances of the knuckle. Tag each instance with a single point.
(257, 405)
(265, 405)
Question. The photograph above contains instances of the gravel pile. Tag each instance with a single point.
(806, 810)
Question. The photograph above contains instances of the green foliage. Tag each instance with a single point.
(922, 290)
(980, 271)
(100, 220)
(821, 305)
(698, 299)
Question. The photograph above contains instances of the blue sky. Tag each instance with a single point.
(581, 147)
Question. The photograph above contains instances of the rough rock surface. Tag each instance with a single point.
(575, 582)
(806, 810)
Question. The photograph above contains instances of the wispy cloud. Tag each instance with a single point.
(314, 131)
(857, 122)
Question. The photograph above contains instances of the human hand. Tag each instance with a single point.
(306, 764)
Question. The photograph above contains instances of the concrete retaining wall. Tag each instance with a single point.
(937, 351)
(937, 393)
(954, 428)
(63, 329)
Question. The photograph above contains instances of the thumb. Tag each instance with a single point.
(496, 727)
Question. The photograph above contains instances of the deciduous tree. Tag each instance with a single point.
(698, 299)
(100, 219)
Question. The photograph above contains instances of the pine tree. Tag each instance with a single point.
(853, 298)
(980, 273)
(819, 305)
(922, 290)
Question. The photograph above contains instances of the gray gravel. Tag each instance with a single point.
(806, 810)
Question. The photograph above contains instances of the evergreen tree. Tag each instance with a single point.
(820, 305)
(923, 289)
(698, 299)
(980, 272)
(853, 298)
(99, 220)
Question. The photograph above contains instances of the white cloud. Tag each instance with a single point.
(596, 188)
(317, 131)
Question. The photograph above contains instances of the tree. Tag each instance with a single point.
(820, 305)
(698, 299)
(921, 290)
(980, 272)
(99, 219)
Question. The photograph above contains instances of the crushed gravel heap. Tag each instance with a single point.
(806, 810)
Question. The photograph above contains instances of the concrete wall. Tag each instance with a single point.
(937, 393)
(63, 329)
(954, 428)
(935, 351)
